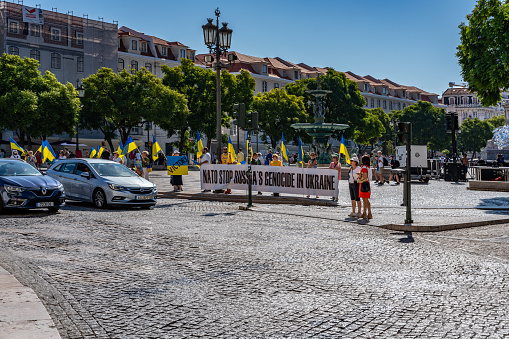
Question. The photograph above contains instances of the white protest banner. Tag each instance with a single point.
(276, 179)
(33, 15)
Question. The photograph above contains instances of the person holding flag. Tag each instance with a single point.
(199, 145)
(15, 147)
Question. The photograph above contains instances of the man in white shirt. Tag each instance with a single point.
(205, 159)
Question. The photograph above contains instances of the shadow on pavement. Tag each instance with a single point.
(406, 240)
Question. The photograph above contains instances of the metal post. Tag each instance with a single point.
(78, 135)
(219, 135)
(238, 138)
(408, 201)
(148, 141)
(249, 174)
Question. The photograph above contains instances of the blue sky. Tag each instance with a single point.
(409, 42)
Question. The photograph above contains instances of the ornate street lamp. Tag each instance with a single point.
(81, 94)
(218, 40)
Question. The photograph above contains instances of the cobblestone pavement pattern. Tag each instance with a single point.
(204, 269)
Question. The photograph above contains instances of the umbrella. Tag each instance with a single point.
(71, 144)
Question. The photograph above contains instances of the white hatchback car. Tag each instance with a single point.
(103, 182)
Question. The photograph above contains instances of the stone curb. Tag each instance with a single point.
(444, 227)
(243, 199)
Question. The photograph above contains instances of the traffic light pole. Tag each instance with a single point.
(249, 173)
(408, 190)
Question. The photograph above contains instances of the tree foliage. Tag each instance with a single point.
(428, 125)
(474, 134)
(484, 50)
(371, 128)
(278, 110)
(344, 104)
(123, 101)
(32, 104)
(198, 86)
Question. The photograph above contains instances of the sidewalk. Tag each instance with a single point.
(22, 314)
(436, 206)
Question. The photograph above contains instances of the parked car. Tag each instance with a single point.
(103, 182)
(24, 187)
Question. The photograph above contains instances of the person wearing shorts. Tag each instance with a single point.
(353, 185)
(365, 176)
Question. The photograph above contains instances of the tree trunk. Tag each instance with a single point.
(182, 139)
(29, 142)
(110, 143)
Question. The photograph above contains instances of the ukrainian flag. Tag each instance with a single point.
(93, 152)
(199, 145)
(343, 150)
(284, 151)
(129, 146)
(119, 150)
(47, 152)
(15, 146)
(155, 148)
(301, 152)
(100, 151)
(231, 150)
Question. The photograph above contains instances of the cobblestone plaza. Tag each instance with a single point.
(207, 269)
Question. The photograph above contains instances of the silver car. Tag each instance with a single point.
(103, 182)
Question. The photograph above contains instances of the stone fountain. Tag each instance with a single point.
(320, 130)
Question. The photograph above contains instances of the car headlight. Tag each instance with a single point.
(13, 189)
(60, 187)
(116, 187)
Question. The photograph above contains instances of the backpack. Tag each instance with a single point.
(386, 163)
(396, 163)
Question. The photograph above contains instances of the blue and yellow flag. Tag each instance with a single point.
(155, 148)
(343, 150)
(231, 150)
(47, 152)
(119, 150)
(199, 145)
(100, 151)
(301, 152)
(15, 146)
(129, 146)
(284, 151)
(93, 152)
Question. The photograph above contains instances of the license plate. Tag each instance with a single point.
(45, 204)
(143, 197)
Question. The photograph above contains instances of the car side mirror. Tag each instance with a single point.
(85, 175)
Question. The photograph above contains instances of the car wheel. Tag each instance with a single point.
(145, 207)
(53, 209)
(99, 198)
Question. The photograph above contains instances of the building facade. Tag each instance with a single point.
(68, 46)
(457, 98)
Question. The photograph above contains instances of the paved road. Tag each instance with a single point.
(204, 269)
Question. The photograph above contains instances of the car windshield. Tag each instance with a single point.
(17, 168)
(112, 170)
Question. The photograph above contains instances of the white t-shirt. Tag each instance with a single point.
(15, 156)
(205, 157)
(119, 160)
(353, 174)
(380, 162)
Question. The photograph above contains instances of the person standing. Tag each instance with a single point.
(464, 162)
(276, 162)
(353, 186)
(240, 156)
(145, 162)
(335, 165)
(268, 158)
(15, 155)
(381, 164)
(204, 160)
(226, 160)
(31, 160)
(365, 176)
(312, 163)
(105, 154)
(394, 164)
(176, 180)
(2, 153)
(117, 159)
(255, 161)
(61, 155)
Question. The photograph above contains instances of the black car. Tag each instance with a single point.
(24, 187)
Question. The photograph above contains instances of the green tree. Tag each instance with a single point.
(474, 134)
(34, 105)
(344, 104)
(371, 128)
(496, 121)
(428, 125)
(278, 110)
(483, 53)
(122, 101)
(198, 85)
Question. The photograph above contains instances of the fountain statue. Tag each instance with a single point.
(320, 130)
(500, 142)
